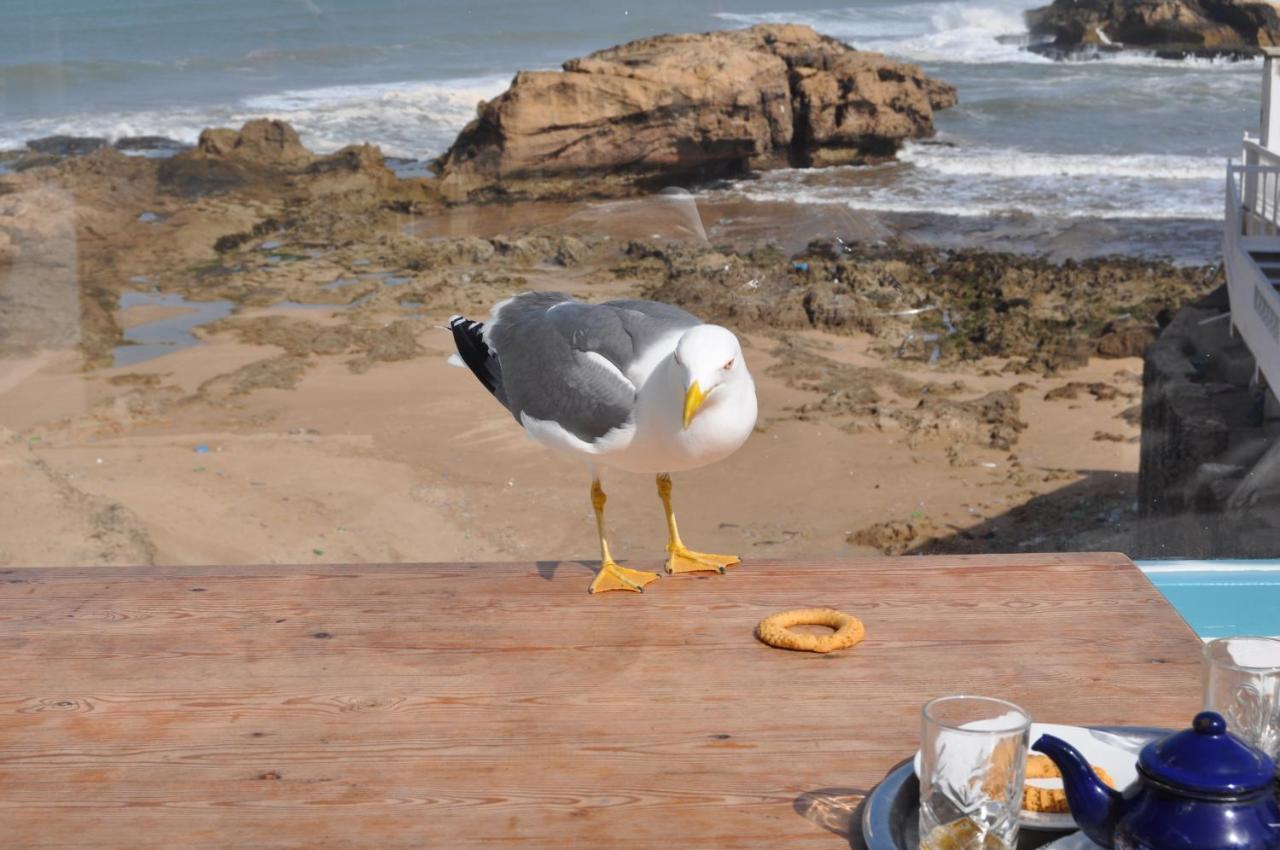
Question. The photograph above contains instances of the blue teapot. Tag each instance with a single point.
(1198, 789)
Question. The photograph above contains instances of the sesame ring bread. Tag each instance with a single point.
(775, 630)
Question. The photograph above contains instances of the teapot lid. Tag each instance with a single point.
(1207, 759)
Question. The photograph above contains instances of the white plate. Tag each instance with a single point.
(1074, 841)
(1122, 764)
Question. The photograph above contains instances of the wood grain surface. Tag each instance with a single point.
(496, 705)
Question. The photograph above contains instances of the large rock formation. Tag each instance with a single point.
(688, 108)
(1168, 27)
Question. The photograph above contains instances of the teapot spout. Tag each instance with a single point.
(1095, 807)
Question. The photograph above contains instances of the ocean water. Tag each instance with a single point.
(1130, 140)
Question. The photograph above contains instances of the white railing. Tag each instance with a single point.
(1251, 230)
(1255, 154)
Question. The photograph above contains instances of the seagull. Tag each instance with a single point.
(633, 385)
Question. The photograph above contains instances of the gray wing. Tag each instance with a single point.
(546, 344)
(651, 319)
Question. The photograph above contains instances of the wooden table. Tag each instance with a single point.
(482, 705)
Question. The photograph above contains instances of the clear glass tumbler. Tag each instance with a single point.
(973, 754)
(1242, 683)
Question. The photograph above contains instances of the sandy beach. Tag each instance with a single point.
(318, 420)
(410, 462)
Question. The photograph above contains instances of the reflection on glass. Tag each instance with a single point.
(973, 757)
(1242, 683)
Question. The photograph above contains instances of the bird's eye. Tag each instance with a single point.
(729, 365)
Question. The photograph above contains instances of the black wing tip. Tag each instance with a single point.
(469, 329)
(468, 338)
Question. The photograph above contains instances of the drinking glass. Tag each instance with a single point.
(1242, 683)
(973, 754)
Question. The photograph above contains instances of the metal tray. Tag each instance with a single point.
(890, 814)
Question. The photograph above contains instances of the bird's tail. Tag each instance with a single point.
(468, 337)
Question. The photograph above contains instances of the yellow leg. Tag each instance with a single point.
(680, 558)
(612, 576)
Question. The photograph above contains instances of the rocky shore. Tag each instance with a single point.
(1172, 29)
(279, 314)
(960, 400)
(686, 109)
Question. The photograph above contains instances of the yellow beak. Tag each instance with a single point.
(693, 399)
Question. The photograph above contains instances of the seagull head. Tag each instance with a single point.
(709, 359)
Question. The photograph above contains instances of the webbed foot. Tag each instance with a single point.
(614, 577)
(681, 559)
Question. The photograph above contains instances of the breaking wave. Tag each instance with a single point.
(407, 119)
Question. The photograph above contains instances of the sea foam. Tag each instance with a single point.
(972, 182)
(1008, 162)
(413, 119)
(921, 32)
(956, 32)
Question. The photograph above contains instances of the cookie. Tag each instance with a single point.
(1052, 800)
(1042, 767)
